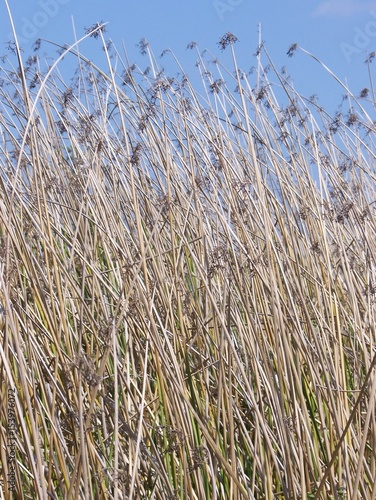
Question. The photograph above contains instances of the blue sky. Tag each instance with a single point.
(339, 32)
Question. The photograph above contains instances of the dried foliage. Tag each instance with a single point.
(188, 284)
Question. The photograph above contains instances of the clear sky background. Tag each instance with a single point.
(339, 32)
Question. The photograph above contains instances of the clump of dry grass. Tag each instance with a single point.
(188, 283)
